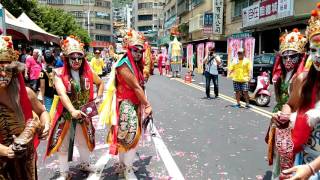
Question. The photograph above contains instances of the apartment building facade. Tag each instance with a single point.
(266, 20)
(93, 15)
(147, 16)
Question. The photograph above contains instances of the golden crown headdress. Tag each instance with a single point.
(7, 53)
(132, 38)
(314, 23)
(72, 44)
(293, 41)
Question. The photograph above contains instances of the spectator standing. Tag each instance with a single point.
(212, 61)
(161, 59)
(97, 63)
(32, 72)
(47, 90)
(240, 73)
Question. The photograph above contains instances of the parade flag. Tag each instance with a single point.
(200, 56)
(249, 44)
(208, 45)
(189, 57)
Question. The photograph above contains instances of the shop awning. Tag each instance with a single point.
(36, 32)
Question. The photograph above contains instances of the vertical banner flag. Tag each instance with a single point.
(208, 45)
(234, 44)
(249, 44)
(200, 54)
(189, 57)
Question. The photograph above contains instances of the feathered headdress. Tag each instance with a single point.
(7, 53)
(72, 44)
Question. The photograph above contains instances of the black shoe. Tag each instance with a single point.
(209, 98)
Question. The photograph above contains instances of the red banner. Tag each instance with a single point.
(268, 8)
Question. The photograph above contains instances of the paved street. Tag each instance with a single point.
(196, 138)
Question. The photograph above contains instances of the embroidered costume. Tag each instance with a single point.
(17, 121)
(289, 63)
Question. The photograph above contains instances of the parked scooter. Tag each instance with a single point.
(259, 89)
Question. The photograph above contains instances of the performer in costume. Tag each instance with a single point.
(74, 84)
(130, 102)
(289, 62)
(175, 53)
(19, 130)
(305, 100)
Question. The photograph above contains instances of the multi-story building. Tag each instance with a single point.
(266, 20)
(147, 17)
(123, 15)
(93, 15)
(197, 24)
(170, 19)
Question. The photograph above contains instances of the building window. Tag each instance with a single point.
(145, 28)
(77, 14)
(239, 5)
(145, 17)
(148, 5)
(55, 1)
(103, 15)
(196, 2)
(103, 38)
(106, 27)
(76, 2)
(106, 4)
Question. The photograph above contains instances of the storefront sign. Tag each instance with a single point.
(250, 15)
(217, 16)
(99, 44)
(190, 57)
(269, 10)
(200, 56)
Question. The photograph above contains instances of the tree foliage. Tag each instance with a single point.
(52, 20)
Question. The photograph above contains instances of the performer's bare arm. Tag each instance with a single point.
(61, 90)
(97, 80)
(295, 96)
(133, 83)
(39, 109)
(42, 89)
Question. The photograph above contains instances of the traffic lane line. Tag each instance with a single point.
(227, 98)
(171, 166)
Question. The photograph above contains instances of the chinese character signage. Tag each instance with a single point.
(200, 56)
(190, 57)
(266, 11)
(250, 15)
(217, 16)
(268, 8)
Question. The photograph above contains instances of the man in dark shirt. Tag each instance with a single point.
(47, 90)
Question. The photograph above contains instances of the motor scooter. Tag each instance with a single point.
(259, 89)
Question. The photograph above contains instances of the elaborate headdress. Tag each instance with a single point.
(132, 38)
(314, 23)
(174, 31)
(72, 44)
(292, 41)
(7, 53)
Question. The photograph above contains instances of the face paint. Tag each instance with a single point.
(315, 51)
(5, 75)
(137, 53)
(290, 59)
(75, 61)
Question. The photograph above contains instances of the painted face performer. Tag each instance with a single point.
(18, 129)
(74, 84)
(304, 100)
(130, 102)
(289, 63)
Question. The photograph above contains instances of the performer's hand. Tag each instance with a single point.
(98, 100)
(45, 131)
(77, 114)
(301, 172)
(148, 110)
(275, 117)
(10, 152)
